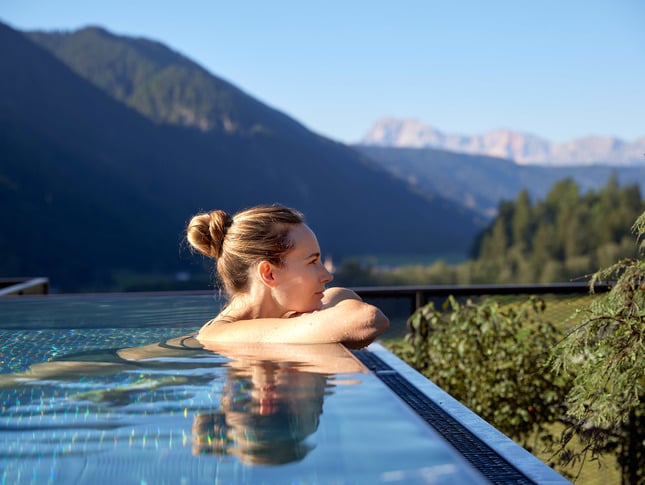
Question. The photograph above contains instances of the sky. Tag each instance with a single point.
(559, 69)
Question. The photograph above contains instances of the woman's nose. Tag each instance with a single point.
(326, 275)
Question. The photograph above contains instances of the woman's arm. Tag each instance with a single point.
(344, 318)
(335, 295)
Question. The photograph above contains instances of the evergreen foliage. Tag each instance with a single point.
(566, 236)
(604, 355)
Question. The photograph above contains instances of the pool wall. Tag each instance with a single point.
(524, 462)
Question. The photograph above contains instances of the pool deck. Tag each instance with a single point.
(524, 462)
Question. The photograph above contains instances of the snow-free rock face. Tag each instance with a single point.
(523, 148)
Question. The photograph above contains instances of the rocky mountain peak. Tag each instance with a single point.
(523, 148)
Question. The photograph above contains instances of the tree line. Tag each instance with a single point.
(564, 237)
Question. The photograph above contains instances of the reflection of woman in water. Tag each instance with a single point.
(269, 263)
(272, 401)
(267, 412)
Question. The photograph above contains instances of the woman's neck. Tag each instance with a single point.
(247, 306)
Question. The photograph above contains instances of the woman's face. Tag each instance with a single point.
(302, 278)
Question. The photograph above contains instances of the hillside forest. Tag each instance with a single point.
(564, 237)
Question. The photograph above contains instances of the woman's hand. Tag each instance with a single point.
(332, 296)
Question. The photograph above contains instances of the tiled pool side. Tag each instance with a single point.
(517, 464)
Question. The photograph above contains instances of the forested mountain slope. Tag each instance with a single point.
(482, 182)
(91, 185)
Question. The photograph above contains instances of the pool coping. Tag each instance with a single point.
(524, 462)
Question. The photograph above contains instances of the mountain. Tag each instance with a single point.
(522, 148)
(161, 84)
(481, 182)
(95, 183)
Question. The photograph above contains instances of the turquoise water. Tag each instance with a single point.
(76, 410)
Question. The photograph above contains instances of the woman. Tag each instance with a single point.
(269, 263)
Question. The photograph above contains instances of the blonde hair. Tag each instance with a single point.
(238, 242)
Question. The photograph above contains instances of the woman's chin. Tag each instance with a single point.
(314, 307)
(318, 305)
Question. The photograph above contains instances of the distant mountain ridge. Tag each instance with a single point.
(480, 182)
(522, 148)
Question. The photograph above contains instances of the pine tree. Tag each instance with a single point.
(605, 357)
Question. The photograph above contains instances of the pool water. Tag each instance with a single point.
(88, 395)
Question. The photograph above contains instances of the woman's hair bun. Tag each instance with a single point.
(206, 232)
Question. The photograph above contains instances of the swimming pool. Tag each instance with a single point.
(88, 395)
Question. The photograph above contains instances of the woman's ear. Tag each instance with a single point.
(266, 272)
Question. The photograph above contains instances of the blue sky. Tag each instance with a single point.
(559, 69)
